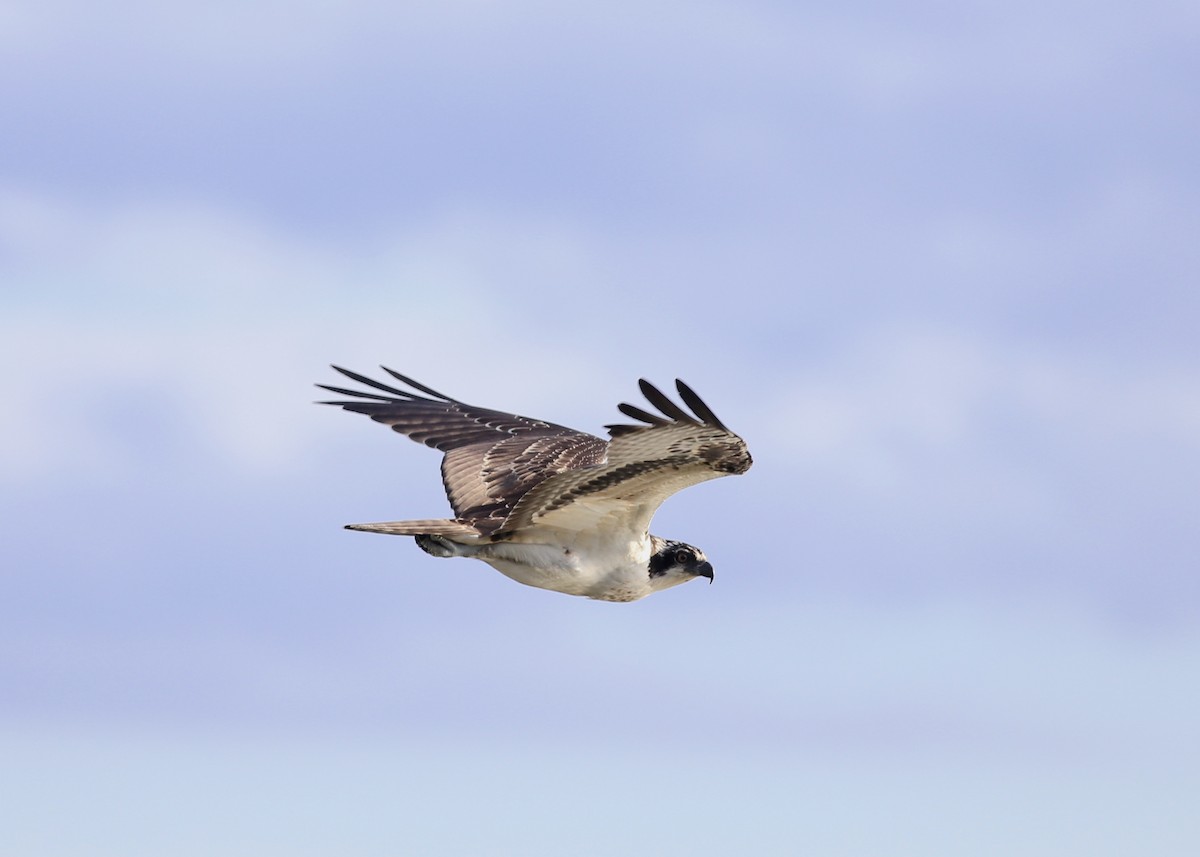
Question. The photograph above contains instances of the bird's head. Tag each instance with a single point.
(672, 563)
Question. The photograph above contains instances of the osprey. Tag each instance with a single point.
(550, 506)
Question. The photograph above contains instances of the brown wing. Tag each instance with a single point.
(492, 459)
(646, 464)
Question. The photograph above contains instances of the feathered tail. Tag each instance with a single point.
(447, 527)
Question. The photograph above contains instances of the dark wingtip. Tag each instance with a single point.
(393, 393)
(342, 391)
(701, 414)
(640, 414)
(416, 385)
(693, 401)
(663, 402)
(618, 429)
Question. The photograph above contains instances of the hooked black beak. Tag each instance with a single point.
(705, 569)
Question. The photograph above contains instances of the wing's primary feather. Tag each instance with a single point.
(661, 401)
(703, 411)
(342, 391)
(638, 414)
(404, 379)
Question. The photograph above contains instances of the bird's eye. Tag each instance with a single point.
(683, 557)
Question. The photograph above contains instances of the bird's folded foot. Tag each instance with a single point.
(437, 546)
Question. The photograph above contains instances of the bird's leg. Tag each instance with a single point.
(438, 546)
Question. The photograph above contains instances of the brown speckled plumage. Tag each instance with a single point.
(551, 506)
(503, 471)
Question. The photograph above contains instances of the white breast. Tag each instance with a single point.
(605, 569)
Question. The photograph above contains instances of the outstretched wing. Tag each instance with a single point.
(646, 464)
(492, 459)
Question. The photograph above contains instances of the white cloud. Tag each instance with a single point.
(919, 414)
(223, 323)
(862, 51)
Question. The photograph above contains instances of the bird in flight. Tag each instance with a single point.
(552, 507)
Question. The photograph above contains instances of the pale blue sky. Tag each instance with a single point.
(936, 262)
